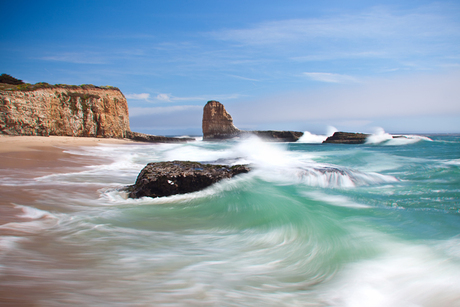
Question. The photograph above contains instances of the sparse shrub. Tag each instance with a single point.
(4, 78)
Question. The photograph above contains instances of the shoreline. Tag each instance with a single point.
(33, 143)
(23, 158)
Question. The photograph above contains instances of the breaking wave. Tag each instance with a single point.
(384, 138)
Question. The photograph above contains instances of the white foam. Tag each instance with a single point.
(40, 220)
(381, 137)
(378, 137)
(335, 200)
(8, 243)
(405, 276)
(453, 162)
(32, 213)
(309, 138)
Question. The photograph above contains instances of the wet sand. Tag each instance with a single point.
(27, 157)
(24, 158)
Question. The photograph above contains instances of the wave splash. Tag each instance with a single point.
(310, 138)
(384, 138)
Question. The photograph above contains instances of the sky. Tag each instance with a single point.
(275, 65)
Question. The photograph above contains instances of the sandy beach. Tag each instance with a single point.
(33, 143)
(26, 157)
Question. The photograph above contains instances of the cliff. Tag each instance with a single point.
(218, 125)
(44, 109)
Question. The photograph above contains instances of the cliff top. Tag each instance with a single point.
(9, 83)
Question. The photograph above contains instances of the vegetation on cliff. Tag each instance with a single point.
(9, 83)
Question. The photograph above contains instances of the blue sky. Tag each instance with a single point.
(297, 65)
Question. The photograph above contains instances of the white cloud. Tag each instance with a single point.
(142, 96)
(164, 97)
(140, 111)
(329, 77)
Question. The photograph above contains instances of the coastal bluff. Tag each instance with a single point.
(63, 110)
(218, 125)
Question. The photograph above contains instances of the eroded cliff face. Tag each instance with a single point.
(95, 112)
(217, 123)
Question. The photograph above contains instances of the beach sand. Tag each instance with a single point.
(27, 157)
(23, 158)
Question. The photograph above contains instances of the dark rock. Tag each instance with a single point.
(142, 137)
(347, 138)
(218, 125)
(280, 136)
(179, 177)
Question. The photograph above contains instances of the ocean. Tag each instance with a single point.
(312, 224)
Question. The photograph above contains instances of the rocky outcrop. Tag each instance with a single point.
(179, 177)
(44, 109)
(280, 136)
(347, 138)
(218, 125)
(142, 137)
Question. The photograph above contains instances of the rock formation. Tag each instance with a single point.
(179, 177)
(142, 137)
(281, 136)
(44, 109)
(218, 125)
(347, 138)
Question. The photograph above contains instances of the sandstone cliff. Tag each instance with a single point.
(218, 124)
(65, 111)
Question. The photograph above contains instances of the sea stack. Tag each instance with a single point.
(217, 123)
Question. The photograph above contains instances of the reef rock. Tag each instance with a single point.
(279, 136)
(179, 177)
(142, 137)
(218, 125)
(44, 109)
(347, 138)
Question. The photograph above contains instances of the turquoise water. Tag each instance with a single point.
(312, 225)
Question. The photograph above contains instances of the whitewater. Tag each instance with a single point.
(312, 224)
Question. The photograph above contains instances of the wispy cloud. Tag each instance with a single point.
(375, 33)
(77, 58)
(374, 24)
(243, 78)
(329, 77)
(142, 96)
(137, 111)
(165, 97)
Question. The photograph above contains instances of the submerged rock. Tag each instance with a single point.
(218, 125)
(347, 138)
(159, 179)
